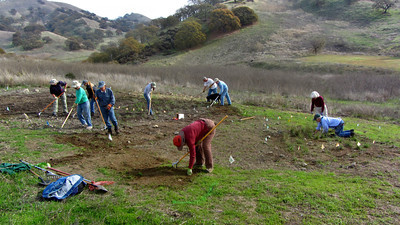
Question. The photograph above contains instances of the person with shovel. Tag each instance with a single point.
(325, 123)
(211, 85)
(91, 90)
(147, 91)
(189, 136)
(223, 91)
(82, 102)
(106, 100)
(58, 88)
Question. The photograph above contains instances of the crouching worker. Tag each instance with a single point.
(83, 105)
(200, 154)
(325, 123)
(106, 102)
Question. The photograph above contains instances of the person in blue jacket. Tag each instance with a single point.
(106, 100)
(223, 91)
(325, 123)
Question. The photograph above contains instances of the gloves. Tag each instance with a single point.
(109, 106)
(55, 97)
(189, 172)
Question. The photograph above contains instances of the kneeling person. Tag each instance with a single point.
(325, 123)
(189, 136)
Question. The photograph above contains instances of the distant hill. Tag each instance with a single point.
(58, 19)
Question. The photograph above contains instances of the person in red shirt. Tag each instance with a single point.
(317, 103)
(201, 153)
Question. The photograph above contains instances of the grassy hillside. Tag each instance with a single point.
(284, 32)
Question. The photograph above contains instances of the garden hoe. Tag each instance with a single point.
(70, 111)
(49, 104)
(175, 164)
(101, 114)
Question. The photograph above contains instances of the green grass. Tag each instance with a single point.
(230, 195)
(357, 60)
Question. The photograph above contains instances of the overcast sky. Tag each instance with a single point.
(113, 9)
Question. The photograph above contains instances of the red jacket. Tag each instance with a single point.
(318, 102)
(193, 133)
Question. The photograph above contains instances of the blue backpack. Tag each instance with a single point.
(64, 187)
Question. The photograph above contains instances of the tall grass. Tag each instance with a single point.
(283, 88)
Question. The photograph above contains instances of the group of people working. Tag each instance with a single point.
(101, 95)
(200, 153)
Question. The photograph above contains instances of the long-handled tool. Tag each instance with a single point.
(150, 104)
(48, 173)
(175, 164)
(50, 104)
(216, 99)
(42, 181)
(70, 111)
(92, 185)
(101, 114)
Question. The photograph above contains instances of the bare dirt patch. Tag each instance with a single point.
(143, 152)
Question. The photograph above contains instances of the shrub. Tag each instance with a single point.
(223, 20)
(246, 15)
(317, 44)
(189, 35)
(70, 76)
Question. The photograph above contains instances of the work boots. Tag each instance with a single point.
(116, 130)
(109, 131)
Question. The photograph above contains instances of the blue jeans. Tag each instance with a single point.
(92, 103)
(84, 113)
(109, 115)
(223, 95)
(212, 91)
(342, 133)
(147, 97)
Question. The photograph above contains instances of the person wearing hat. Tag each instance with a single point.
(211, 85)
(106, 100)
(189, 136)
(82, 102)
(91, 90)
(223, 91)
(147, 90)
(318, 104)
(57, 90)
(325, 123)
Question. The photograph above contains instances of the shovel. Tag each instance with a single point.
(216, 99)
(42, 181)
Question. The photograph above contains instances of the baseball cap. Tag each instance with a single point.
(178, 142)
(316, 116)
(101, 84)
